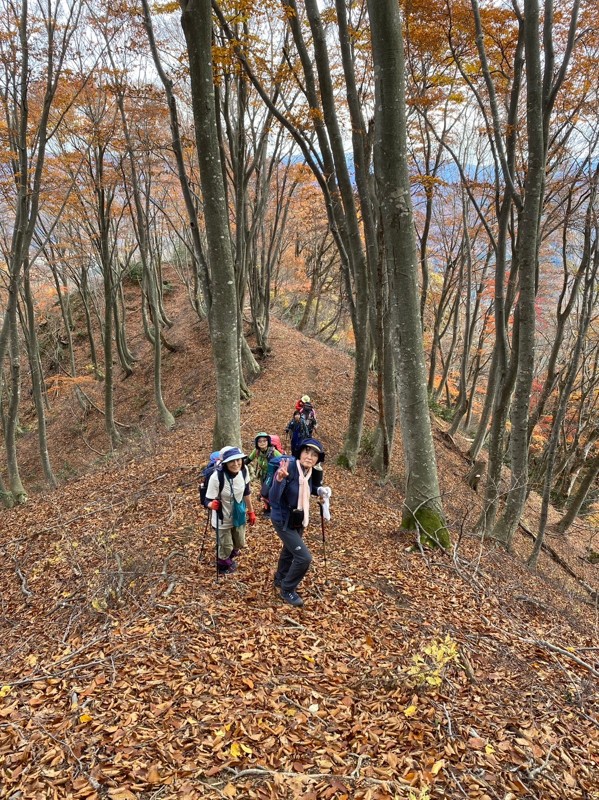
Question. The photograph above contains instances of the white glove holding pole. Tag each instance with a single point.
(325, 492)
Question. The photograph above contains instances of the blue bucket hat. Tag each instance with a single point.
(230, 454)
(314, 444)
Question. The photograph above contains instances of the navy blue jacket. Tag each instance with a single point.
(283, 495)
(299, 431)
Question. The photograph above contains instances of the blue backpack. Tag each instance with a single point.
(273, 466)
(205, 474)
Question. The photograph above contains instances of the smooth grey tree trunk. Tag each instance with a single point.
(358, 260)
(12, 418)
(120, 328)
(28, 143)
(200, 267)
(542, 89)
(37, 380)
(196, 21)
(85, 299)
(423, 507)
(332, 148)
(462, 401)
(580, 495)
(149, 277)
(528, 241)
(107, 338)
(560, 413)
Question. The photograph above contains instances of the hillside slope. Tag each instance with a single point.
(128, 671)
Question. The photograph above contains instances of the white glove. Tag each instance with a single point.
(325, 493)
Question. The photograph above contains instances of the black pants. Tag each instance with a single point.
(295, 558)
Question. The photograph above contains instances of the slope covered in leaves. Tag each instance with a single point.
(128, 671)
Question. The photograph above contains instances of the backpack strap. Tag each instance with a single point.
(221, 479)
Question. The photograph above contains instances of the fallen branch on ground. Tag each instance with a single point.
(563, 652)
(560, 561)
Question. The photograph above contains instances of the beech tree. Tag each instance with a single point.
(26, 131)
(196, 21)
(423, 506)
(542, 85)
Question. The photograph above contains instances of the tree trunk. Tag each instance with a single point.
(528, 246)
(109, 422)
(88, 319)
(462, 401)
(196, 21)
(584, 486)
(120, 330)
(37, 380)
(424, 510)
(10, 436)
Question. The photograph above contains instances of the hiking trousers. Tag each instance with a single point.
(229, 539)
(295, 558)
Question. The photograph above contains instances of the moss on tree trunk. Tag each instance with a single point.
(431, 527)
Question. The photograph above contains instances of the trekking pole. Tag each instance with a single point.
(324, 544)
(204, 536)
(217, 546)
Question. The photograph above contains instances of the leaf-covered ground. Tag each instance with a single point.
(128, 671)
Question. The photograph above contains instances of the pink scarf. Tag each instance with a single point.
(303, 498)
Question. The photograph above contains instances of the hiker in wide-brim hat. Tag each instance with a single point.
(228, 496)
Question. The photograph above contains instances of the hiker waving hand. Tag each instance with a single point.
(283, 471)
(289, 497)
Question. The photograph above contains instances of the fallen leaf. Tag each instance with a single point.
(153, 775)
(476, 743)
(121, 794)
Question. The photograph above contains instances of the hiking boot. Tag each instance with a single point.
(292, 598)
(226, 566)
(234, 553)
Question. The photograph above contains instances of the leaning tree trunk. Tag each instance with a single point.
(37, 379)
(424, 510)
(149, 275)
(85, 299)
(528, 240)
(580, 496)
(588, 299)
(108, 277)
(196, 21)
(357, 257)
(462, 402)
(200, 267)
(10, 436)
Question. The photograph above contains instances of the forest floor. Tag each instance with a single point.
(127, 671)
